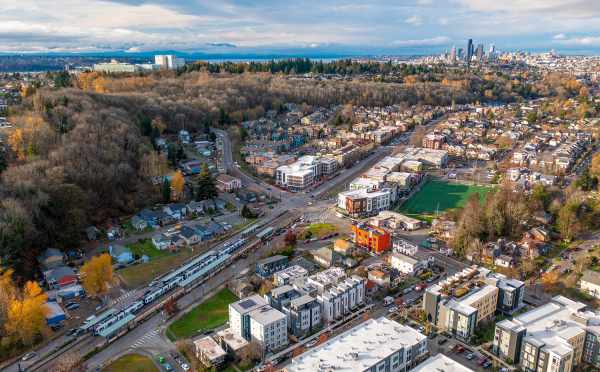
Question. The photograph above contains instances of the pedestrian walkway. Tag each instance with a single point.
(148, 340)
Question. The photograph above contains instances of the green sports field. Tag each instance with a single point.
(440, 196)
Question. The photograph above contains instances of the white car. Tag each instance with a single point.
(185, 367)
(392, 309)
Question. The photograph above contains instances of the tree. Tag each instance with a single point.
(550, 279)
(290, 238)
(26, 318)
(153, 164)
(247, 213)
(177, 185)
(171, 307)
(595, 166)
(567, 221)
(206, 188)
(166, 190)
(97, 274)
(68, 362)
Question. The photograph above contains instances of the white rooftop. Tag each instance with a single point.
(358, 348)
(233, 340)
(556, 322)
(441, 363)
(266, 315)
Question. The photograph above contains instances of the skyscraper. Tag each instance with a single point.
(469, 51)
(479, 53)
(453, 54)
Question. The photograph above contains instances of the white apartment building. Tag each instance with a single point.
(342, 298)
(375, 345)
(364, 202)
(268, 327)
(441, 363)
(337, 294)
(590, 283)
(289, 275)
(406, 264)
(168, 61)
(403, 246)
(304, 172)
(554, 337)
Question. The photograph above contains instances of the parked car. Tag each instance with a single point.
(312, 343)
(470, 356)
(442, 341)
(185, 367)
(72, 306)
(29, 355)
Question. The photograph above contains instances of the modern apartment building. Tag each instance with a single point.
(305, 172)
(115, 66)
(337, 294)
(254, 320)
(364, 202)
(459, 303)
(375, 345)
(168, 61)
(376, 239)
(554, 337)
(304, 315)
(441, 363)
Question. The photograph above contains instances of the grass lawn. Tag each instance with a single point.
(141, 274)
(132, 363)
(210, 314)
(320, 230)
(440, 196)
(145, 247)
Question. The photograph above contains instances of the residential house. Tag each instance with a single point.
(177, 211)
(151, 217)
(227, 183)
(380, 278)
(161, 241)
(189, 235)
(51, 258)
(138, 223)
(120, 253)
(60, 277)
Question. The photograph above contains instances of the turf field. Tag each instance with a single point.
(440, 196)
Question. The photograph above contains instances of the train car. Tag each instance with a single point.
(92, 321)
(249, 231)
(266, 234)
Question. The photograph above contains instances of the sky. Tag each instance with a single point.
(349, 27)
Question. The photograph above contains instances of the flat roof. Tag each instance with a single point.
(248, 304)
(266, 315)
(441, 363)
(116, 326)
(209, 348)
(358, 348)
(233, 340)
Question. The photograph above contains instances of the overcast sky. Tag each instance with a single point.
(352, 26)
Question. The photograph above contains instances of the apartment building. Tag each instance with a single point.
(375, 345)
(406, 264)
(289, 275)
(115, 66)
(394, 221)
(377, 240)
(441, 363)
(305, 172)
(304, 315)
(364, 202)
(590, 283)
(557, 336)
(268, 327)
(459, 303)
(254, 320)
(337, 294)
(227, 183)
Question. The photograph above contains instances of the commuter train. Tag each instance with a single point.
(199, 268)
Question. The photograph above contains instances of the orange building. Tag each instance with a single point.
(376, 239)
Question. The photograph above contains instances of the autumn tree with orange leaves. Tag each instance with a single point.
(177, 184)
(97, 274)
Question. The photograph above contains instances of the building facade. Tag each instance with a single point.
(377, 240)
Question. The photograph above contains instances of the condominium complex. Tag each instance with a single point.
(459, 303)
(305, 172)
(554, 337)
(254, 320)
(375, 345)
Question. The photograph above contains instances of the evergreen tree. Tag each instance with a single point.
(166, 190)
(247, 213)
(206, 188)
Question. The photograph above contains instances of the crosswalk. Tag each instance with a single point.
(149, 339)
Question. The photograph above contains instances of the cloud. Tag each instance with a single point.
(560, 36)
(590, 41)
(222, 45)
(436, 41)
(414, 20)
